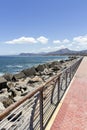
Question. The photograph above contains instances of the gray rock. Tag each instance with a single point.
(19, 75)
(14, 92)
(27, 80)
(6, 101)
(24, 87)
(8, 77)
(62, 61)
(72, 57)
(2, 108)
(35, 79)
(40, 67)
(29, 72)
(3, 82)
(17, 98)
(5, 90)
(46, 66)
(30, 88)
(1, 91)
(46, 70)
(10, 85)
(38, 73)
(45, 77)
(56, 68)
(52, 64)
(18, 88)
(24, 93)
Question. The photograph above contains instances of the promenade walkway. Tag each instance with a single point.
(71, 113)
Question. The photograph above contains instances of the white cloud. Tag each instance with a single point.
(79, 42)
(29, 40)
(81, 39)
(42, 40)
(65, 41)
(22, 40)
(56, 41)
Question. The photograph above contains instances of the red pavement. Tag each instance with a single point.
(73, 112)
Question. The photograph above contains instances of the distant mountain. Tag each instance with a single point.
(26, 54)
(83, 52)
(64, 51)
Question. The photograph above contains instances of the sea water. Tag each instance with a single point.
(14, 64)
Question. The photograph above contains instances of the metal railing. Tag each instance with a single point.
(34, 110)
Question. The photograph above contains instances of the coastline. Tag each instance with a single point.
(14, 87)
(15, 64)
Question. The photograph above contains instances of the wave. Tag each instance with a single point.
(1, 73)
(14, 66)
(50, 60)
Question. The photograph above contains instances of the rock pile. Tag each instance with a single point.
(14, 87)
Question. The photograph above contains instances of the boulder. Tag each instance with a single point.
(2, 108)
(1, 91)
(46, 66)
(46, 70)
(27, 80)
(8, 76)
(35, 79)
(3, 82)
(29, 72)
(62, 61)
(6, 101)
(19, 75)
(4, 90)
(36, 84)
(54, 63)
(14, 92)
(17, 98)
(40, 67)
(18, 88)
(72, 57)
(56, 68)
(24, 93)
(10, 85)
(45, 77)
(24, 87)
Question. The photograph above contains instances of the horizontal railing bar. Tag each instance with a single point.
(24, 105)
(15, 105)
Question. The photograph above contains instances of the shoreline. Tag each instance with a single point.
(16, 64)
(14, 87)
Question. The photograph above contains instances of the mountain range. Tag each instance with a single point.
(64, 51)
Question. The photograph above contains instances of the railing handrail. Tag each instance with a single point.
(22, 100)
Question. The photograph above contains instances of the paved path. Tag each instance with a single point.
(72, 114)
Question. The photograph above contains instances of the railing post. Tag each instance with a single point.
(70, 74)
(58, 89)
(41, 109)
(66, 79)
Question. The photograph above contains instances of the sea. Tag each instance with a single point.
(14, 64)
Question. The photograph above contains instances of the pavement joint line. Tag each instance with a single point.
(48, 127)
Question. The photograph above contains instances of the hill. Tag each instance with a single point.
(64, 51)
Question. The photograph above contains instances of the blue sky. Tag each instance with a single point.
(42, 25)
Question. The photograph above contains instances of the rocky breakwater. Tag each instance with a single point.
(14, 87)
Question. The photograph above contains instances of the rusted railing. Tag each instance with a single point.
(34, 110)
